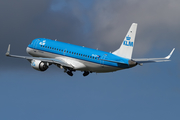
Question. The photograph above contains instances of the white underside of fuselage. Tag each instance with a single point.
(81, 65)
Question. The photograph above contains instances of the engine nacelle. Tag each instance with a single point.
(39, 65)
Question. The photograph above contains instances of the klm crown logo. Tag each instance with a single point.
(127, 42)
(128, 38)
(43, 43)
(33, 64)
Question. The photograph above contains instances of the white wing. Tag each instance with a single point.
(149, 60)
(49, 60)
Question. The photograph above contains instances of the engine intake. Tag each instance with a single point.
(39, 65)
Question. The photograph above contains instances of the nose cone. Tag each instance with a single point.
(28, 50)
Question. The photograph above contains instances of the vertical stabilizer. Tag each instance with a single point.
(127, 45)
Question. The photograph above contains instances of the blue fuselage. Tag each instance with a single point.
(41, 45)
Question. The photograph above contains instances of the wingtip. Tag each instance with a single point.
(8, 50)
(135, 23)
(170, 54)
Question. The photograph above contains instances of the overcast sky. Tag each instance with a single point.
(145, 92)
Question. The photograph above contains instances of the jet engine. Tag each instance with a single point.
(39, 65)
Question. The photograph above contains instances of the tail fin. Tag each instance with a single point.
(127, 45)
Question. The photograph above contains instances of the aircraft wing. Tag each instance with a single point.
(149, 60)
(49, 60)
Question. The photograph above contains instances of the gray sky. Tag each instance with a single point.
(148, 92)
(96, 24)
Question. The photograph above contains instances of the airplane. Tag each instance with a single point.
(71, 58)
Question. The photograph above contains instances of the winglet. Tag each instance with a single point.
(170, 54)
(8, 51)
